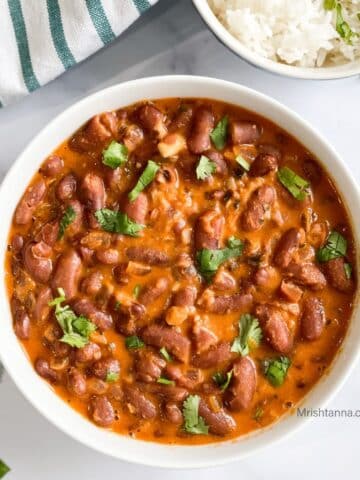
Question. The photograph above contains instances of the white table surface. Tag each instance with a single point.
(171, 38)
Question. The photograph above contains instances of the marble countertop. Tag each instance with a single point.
(171, 38)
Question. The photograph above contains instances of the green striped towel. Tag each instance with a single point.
(40, 39)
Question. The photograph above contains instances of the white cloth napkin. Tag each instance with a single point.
(40, 39)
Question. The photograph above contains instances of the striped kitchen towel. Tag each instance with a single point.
(40, 39)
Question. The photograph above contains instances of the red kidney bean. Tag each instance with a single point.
(22, 324)
(208, 230)
(189, 380)
(203, 124)
(218, 159)
(17, 243)
(42, 308)
(274, 327)
(148, 366)
(102, 127)
(37, 261)
(173, 413)
(259, 203)
(76, 382)
(89, 353)
(43, 369)
(222, 304)
(290, 291)
(152, 119)
(67, 273)
(94, 195)
(49, 233)
(133, 137)
(244, 132)
(242, 386)
(149, 256)
(223, 280)
(52, 166)
(166, 392)
(138, 209)
(30, 200)
(184, 267)
(102, 411)
(153, 290)
(102, 320)
(139, 404)
(66, 188)
(203, 338)
(185, 297)
(127, 318)
(110, 256)
(181, 119)
(306, 274)
(175, 342)
(106, 366)
(215, 356)
(92, 284)
(76, 225)
(336, 275)
(220, 423)
(263, 164)
(60, 349)
(287, 245)
(312, 318)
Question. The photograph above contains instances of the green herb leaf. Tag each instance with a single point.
(249, 337)
(146, 177)
(136, 290)
(222, 380)
(76, 329)
(193, 423)
(209, 261)
(348, 270)
(219, 134)
(335, 247)
(134, 342)
(259, 412)
(243, 163)
(297, 186)
(205, 168)
(165, 381)
(166, 354)
(68, 217)
(112, 377)
(276, 370)
(342, 27)
(329, 4)
(117, 305)
(117, 222)
(358, 16)
(115, 155)
(4, 469)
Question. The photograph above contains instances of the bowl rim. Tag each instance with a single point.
(38, 392)
(345, 70)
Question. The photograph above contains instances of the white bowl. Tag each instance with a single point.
(16, 362)
(321, 73)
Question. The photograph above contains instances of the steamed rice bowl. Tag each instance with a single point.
(303, 33)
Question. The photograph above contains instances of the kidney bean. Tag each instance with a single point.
(222, 304)
(149, 256)
(218, 159)
(182, 119)
(37, 262)
(223, 280)
(89, 353)
(167, 392)
(263, 164)
(175, 342)
(203, 338)
(49, 233)
(220, 423)
(153, 290)
(288, 244)
(312, 171)
(185, 297)
(261, 200)
(274, 327)
(67, 273)
(30, 200)
(95, 386)
(42, 308)
(43, 369)
(242, 386)
(312, 318)
(102, 411)
(22, 324)
(103, 367)
(102, 127)
(17, 243)
(306, 274)
(152, 119)
(93, 194)
(208, 230)
(126, 320)
(66, 188)
(202, 125)
(184, 267)
(52, 166)
(173, 413)
(270, 149)
(76, 225)
(133, 137)
(190, 379)
(244, 132)
(138, 209)
(290, 291)
(336, 276)
(138, 403)
(60, 349)
(87, 308)
(92, 284)
(76, 382)
(148, 366)
(110, 256)
(214, 356)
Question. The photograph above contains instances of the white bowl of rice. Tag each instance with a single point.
(309, 39)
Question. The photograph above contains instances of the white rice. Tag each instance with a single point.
(296, 32)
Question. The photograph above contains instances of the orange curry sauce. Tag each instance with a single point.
(176, 199)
